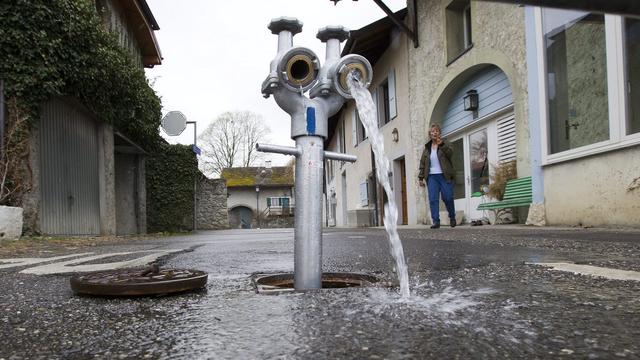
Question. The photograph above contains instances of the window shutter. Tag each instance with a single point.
(374, 96)
(393, 111)
(507, 139)
(364, 193)
(268, 202)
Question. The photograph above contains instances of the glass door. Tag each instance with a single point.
(473, 151)
(478, 162)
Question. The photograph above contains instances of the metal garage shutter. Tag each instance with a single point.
(68, 170)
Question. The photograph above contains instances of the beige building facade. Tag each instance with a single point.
(461, 48)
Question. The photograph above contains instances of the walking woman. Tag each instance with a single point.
(435, 165)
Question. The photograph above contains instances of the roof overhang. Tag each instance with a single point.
(372, 40)
(124, 145)
(143, 25)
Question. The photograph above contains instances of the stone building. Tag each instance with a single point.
(260, 197)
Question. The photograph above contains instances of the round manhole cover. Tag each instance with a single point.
(278, 283)
(137, 282)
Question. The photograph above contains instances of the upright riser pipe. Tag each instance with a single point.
(294, 71)
(308, 213)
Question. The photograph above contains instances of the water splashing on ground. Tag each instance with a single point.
(367, 112)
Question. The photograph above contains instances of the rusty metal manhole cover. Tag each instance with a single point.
(282, 283)
(137, 282)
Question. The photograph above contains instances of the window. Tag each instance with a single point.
(283, 201)
(590, 78)
(577, 78)
(632, 53)
(361, 133)
(458, 27)
(364, 193)
(384, 97)
(383, 103)
(342, 148)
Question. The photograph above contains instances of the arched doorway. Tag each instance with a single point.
(240, 217)
(481, 137)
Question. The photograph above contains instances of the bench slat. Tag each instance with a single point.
(517, 192)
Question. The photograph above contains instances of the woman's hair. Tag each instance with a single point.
(435, 126)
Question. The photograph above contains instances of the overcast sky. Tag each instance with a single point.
(217, 53)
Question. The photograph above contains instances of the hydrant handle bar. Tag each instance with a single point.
(339, 156)
(278, 149)
(287, 150)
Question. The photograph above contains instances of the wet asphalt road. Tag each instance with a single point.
(473, 296)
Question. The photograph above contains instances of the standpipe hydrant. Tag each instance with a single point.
(294, 71)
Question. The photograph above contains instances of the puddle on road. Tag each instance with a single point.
(232, 319)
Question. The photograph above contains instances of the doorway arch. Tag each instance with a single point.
(481, 138)
(241, 217)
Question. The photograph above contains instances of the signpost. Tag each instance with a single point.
(173, 124)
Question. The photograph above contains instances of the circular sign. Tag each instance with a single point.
(174, 123)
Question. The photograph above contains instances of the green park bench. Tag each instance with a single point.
(517, 192)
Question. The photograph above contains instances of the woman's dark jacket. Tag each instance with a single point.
(444, 156)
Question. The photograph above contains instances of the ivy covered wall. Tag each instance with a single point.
(171, 171)
(60, 48)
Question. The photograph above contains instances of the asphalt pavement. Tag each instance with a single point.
(487, 292)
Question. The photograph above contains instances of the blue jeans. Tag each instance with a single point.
(437, 185)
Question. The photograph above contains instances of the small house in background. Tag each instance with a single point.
(259, 197)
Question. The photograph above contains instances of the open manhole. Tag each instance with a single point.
(137, 282)
(281, 283)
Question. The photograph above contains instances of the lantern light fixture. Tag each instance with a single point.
(471, 101)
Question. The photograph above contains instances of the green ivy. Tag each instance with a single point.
(60, 47)
(170, 173)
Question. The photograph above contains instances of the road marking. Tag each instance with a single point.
(70, 266)
(356, 237)
(31, 261)
(75, 265)
(614, 274)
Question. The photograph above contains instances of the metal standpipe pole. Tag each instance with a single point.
(308, 213)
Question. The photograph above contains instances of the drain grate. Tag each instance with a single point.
(136, 282)
(283, 283)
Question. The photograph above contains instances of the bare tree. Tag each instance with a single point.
(230, 140)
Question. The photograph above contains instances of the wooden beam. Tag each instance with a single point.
(411, 33)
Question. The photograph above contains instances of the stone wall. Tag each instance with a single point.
(212, 204)
(277, 221)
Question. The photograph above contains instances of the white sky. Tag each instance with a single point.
(217, 53)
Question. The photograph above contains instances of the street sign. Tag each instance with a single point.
(196, 149)
(174, 123)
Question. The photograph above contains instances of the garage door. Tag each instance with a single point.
(68, 170)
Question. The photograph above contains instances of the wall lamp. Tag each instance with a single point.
(394, 135)
(471, 101)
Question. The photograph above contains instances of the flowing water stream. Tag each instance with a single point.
(367, 112)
